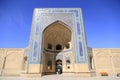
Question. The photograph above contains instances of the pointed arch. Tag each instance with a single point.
(56, 37)
(58, 22)
(55, 32)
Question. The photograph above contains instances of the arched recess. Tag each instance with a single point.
(91, 63)
(24, 66)
(57, 33)
(57, 37)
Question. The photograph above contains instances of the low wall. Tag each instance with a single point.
(10, 61)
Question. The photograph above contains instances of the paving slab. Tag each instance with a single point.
(60, 77)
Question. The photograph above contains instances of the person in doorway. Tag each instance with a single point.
(59, 69)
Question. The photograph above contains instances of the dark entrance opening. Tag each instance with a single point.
(59, 66)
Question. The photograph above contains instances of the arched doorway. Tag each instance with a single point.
(59, 66)
(56, 38)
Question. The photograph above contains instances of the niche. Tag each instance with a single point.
(25, 62)
(68, 62)
(49, 46)
(58, 47)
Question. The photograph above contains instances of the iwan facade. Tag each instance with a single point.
(58, 37)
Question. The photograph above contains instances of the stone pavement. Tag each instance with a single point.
(60, 77)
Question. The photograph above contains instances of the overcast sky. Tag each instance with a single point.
(101, 19)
